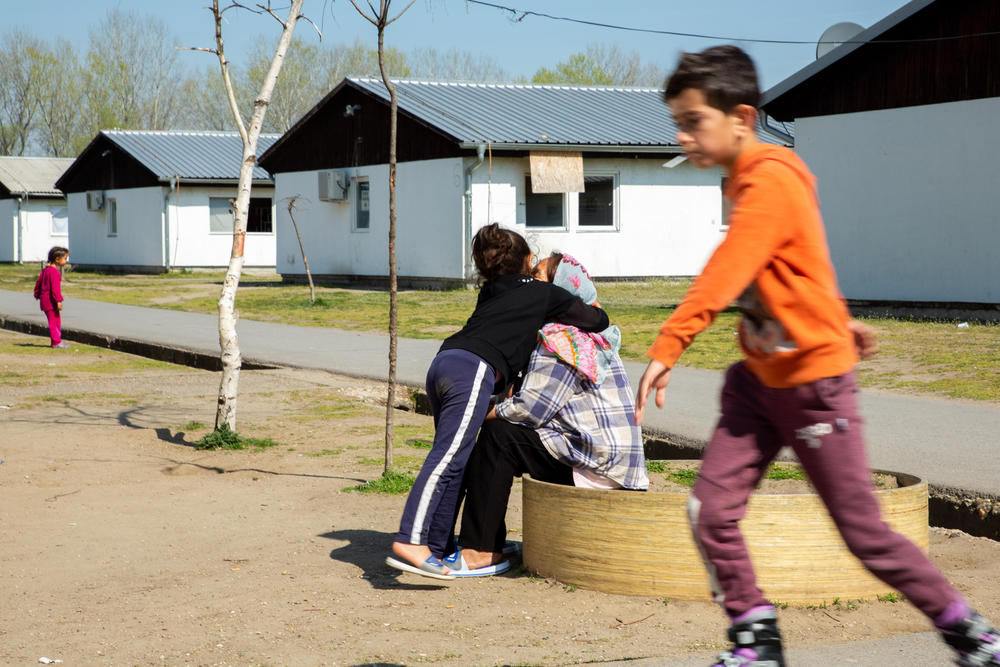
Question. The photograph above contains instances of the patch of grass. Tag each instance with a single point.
(684, 476)
(892, 596)
(408, 462)
(224, 438)
(785, 471)
(420, 443)
(392, 482)
(324, 452)
(193, 426)
(655, 466)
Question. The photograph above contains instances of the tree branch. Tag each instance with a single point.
(403, 11)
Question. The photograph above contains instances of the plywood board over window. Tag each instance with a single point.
(555, 171)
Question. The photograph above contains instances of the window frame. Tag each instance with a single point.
(615, 225)
(270, 214)
(232, 217)
(526, 192)
(52, 220)
(112, 205)
(356, 206)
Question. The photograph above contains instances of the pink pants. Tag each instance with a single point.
(821, 423)
(55, 326)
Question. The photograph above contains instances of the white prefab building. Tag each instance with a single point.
(33, 215)
(582, 170)
(903, 143)
(154, 201)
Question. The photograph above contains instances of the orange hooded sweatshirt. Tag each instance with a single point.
(775, 260)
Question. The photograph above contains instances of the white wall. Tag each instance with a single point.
(139, 241)
(142, 228)
(36, 225)
(429, 223)
(668, 220)
(911, 200)
(191, 241)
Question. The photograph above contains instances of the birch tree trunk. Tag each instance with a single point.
(228, 340)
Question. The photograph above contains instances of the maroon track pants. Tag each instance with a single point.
(821, 423)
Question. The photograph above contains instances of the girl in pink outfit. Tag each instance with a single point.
(48, 291)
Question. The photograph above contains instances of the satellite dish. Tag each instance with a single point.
(834, 36)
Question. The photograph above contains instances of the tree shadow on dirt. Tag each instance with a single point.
(367, 550)
(127, 418)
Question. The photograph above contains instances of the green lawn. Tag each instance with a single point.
(916, 356)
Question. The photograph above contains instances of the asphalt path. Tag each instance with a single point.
(951, 444)
(948, 443)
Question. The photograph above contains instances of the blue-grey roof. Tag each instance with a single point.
(202, 156)
(520, 115)
(33, 176)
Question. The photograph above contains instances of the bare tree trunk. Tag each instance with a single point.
(302, 248)
(380, 19)
(390, 401)
(228, 340)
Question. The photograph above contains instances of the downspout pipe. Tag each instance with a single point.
(467, 228)
(765, 124)
(20, 232)
(165, 222)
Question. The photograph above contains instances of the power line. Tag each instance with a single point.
(521, 14)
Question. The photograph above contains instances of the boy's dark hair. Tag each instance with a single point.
(499, 252)
(57, 252)
(724, 74)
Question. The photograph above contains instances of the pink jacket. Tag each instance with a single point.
(48, 288)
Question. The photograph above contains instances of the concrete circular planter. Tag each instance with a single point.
(641, 544)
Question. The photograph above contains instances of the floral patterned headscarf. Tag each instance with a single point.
(589, 353)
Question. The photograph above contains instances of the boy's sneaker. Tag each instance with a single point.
(974, 640)
(61, 346)
(756, 642)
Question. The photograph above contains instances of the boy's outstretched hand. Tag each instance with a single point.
(865, 339)
(657, 376)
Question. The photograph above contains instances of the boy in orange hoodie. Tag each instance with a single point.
(796, 386)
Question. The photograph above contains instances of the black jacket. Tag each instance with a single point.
(503, 328)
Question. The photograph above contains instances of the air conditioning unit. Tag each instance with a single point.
(95, 200)
(333, 185)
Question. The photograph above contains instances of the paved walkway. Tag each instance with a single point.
(949, 443)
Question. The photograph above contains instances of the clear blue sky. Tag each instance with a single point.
(520, 47)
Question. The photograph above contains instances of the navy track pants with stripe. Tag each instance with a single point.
(459, 386)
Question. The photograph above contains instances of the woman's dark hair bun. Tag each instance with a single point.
(498, 252)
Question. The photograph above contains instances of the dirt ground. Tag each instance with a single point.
(123, 545)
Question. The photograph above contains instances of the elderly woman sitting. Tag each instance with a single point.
(571, 422)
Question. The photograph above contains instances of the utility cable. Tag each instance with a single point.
(521, 14)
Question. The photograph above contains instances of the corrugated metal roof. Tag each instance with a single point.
(33, 176)
(538, 115)
(206, 156)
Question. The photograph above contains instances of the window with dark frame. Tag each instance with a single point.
(597, 201)
(362, 206)
(112, 217)
(542, 210)
(259, 216)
